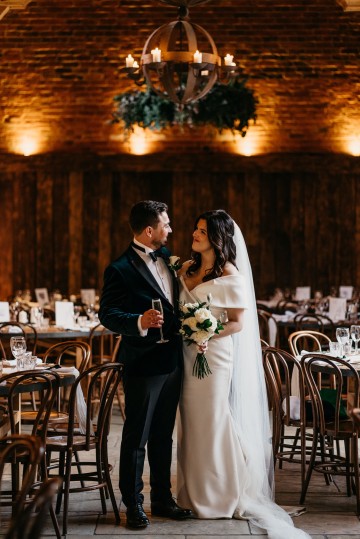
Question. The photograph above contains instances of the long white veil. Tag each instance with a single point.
(249, 408)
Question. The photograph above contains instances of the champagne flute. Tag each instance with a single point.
(355, 335)
(157, 305)
(342, 336)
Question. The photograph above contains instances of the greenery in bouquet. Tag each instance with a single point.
(227, 106)
(198, 325)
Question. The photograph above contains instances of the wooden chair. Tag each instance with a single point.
(30, 522)
(94, 437)
(319, 322)
(27, 330)
(331, 422)
(288, 410)
(77, 353)
(309, 340)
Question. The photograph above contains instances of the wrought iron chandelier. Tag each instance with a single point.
(180, 60)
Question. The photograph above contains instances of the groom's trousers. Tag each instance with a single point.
(150, 410)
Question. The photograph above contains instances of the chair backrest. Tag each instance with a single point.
(339, 372)
(30, 522)
(46, 381)
(278, 368)
(104, 345)
(77, 352)
(31, 449)
(284, 305)
(309, 340)
(94, 377)
(268, 327)
(319, 322)
(27, 330)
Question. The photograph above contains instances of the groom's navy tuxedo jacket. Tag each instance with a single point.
(128, 290)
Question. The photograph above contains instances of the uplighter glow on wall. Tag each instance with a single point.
(247, 145)
(27, 144)
(354, 146)
(140, 142)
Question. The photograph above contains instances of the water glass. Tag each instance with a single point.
(342, 336)
(334, 348)
(355, 335)
(29, 361)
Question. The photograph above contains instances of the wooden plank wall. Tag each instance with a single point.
(63, 223)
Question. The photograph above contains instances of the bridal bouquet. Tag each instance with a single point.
(198, 325)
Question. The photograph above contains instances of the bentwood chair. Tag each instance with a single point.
(288, 405)
(94, 436)
(317, 322)
(30, 521)
(332, 422)
(309, 340)
(74, 353)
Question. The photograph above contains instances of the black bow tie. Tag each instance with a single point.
(154, 255)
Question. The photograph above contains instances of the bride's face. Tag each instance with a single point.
(201, 242)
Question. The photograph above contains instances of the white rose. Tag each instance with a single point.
(191, 322)
(202, 314)
(201, 336)
(188, 307)
(213, 323)
(174, 260)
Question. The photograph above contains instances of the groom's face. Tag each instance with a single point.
(161, 232)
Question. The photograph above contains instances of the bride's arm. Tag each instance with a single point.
(235, 323)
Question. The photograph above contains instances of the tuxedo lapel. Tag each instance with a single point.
(137, 262)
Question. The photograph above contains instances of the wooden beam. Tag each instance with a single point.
(6, 5)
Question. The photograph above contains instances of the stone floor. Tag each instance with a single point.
(329, 514)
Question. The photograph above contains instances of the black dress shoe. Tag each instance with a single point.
(170, 509)
(136, 517)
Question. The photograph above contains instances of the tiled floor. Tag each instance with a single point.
(329, 515)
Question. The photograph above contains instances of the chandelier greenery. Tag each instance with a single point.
(226, 106)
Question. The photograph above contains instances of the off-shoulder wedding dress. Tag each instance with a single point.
(225, 465)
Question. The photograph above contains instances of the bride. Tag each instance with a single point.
(225, 466)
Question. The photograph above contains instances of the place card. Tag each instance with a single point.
(337, 309)
(64, 314)
(42, 296)
(346, 292)
(88, 296)
(302, 293)
(4, 311)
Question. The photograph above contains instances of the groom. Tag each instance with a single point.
(152, 370)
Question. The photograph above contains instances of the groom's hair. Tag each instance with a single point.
(146, 213)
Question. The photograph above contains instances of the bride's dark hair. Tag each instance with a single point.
(220, 231)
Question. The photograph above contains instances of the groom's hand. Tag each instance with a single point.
(151, 319)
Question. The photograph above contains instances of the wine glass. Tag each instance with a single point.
(77, 311)
(18, 348)
(355, 335)
(157, 305)
(38, 315)
(342, 336)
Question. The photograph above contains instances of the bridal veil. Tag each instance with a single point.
(249, 408)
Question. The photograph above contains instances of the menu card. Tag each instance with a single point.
(64, 314)
(42, 296)
(337, 309)
(4, 311)
(302, 293)
(346, 292)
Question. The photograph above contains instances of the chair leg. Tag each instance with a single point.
(355, 456)
(61, 474)
(310, 467)
(109, 484)
(66, 489)
(348, 466)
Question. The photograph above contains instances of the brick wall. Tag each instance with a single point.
(60, 60)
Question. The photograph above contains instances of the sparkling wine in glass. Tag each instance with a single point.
(157, 305)
(342, 336)
(355, 335)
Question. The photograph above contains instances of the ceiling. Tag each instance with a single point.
(60, 66)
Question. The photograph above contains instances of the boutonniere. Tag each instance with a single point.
(174, 263)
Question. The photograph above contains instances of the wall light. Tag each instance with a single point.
(140, 142)
(27, 144)
(354, 146)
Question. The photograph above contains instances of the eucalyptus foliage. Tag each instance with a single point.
(226, 106)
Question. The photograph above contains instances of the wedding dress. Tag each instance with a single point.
(225, 466)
